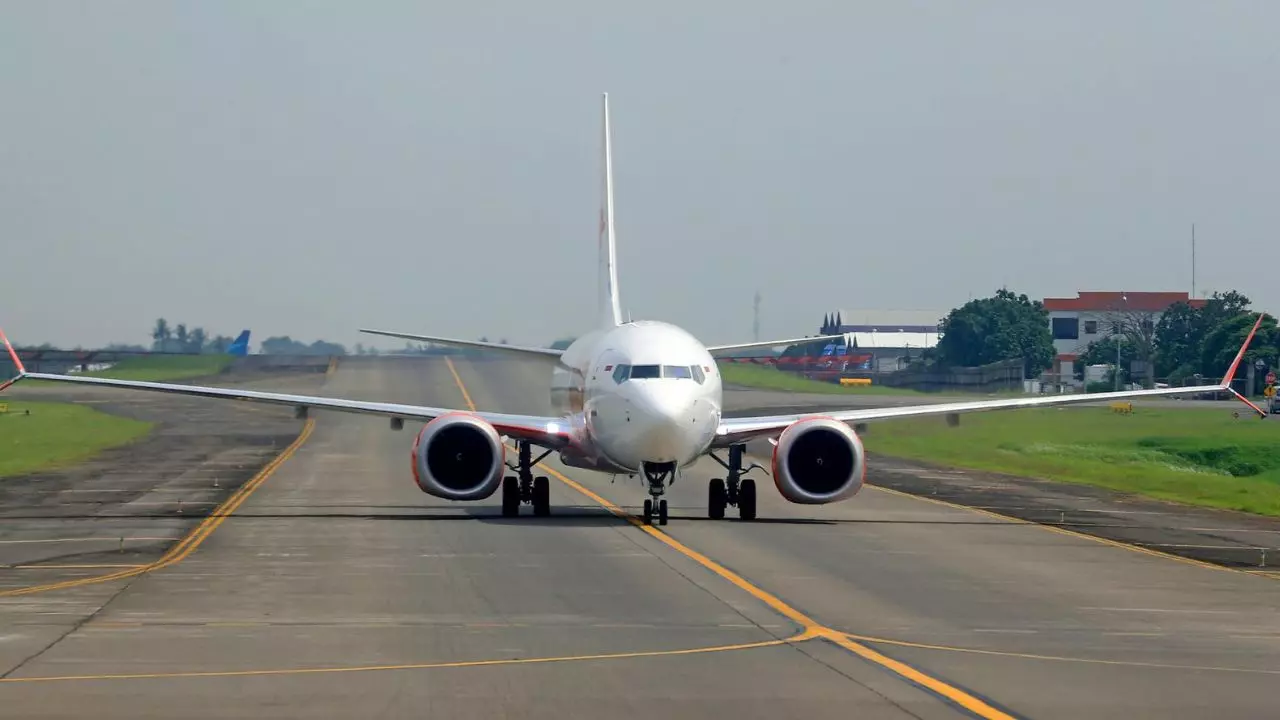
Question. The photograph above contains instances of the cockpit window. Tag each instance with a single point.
(645, 371)
(676, 371)
(623, 373)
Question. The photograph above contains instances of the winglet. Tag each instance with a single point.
(1235, 365)
(17, 362)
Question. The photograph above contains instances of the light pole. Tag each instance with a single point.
(1115, 327)
(1119, 339)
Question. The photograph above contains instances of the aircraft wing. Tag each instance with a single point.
(738, 430)
(519, 349)
(714, 349)
(548, 432)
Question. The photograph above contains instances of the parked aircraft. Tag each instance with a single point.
(634, 398)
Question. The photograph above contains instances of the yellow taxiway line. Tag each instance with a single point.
(188, 544)
(812, 628)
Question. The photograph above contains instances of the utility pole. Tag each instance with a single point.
(755, 323)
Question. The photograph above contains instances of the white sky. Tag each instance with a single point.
(308, 168)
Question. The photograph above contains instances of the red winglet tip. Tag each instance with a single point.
(17, 361)
(1261, 413)
(1235, 364)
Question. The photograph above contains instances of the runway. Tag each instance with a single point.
(336, 589)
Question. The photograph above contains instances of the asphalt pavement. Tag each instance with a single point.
(329, 586)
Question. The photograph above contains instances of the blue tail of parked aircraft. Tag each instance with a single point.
(240, 347)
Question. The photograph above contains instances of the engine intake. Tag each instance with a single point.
(818, 460)
(458, 457)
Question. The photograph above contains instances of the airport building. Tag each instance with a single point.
(885, 340)
(1090, 316)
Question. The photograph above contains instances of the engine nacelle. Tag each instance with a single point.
(818, 460)
(459, 457)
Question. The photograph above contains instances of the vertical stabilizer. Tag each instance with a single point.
(610, 308)
(240, 347)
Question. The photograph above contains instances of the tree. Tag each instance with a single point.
(1002, 327)
(1224, 341)
(1182, 332)
(180, 335)
(161, 334)
(196, 341)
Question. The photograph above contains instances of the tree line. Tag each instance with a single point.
(180, 339)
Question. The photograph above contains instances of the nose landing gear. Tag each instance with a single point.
(657, 475)
(524, 487)
(733, 490)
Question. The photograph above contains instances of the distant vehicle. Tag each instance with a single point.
(635, 398)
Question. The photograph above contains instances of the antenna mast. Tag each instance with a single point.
(1193, 261)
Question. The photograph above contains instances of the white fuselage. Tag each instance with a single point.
(641, 392)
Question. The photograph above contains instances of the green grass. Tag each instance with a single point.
(767, 378)
(58, 434)
(1193, 456)
(162, 368)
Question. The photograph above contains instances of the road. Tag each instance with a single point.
(336, 589)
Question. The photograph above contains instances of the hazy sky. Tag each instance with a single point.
(308, 168)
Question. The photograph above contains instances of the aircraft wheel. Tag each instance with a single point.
(648, 512)
(541, 496)
(747, 500)
(662, 512)
(717, 499)
(510, 496)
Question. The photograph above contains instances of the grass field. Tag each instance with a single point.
(767, 378)
(1194, 456)
(165, 367)
(58, 434)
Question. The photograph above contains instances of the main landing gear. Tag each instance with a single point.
(734, 489)
(657, 475)
(524, 487)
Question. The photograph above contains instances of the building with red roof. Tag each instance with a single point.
(1089, 316)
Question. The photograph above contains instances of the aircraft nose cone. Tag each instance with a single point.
(665, 425)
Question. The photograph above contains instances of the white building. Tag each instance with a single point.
(1090, 316)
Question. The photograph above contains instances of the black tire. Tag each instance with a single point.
(717, 499)
(510, 496)
(747, 499)
(541, 496)
(662, 512)
(648, 512)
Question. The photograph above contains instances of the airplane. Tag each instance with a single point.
(632, 398)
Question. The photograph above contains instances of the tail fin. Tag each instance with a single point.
(240, 347)
(610, 308)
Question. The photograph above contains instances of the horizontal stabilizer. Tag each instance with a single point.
(516, 349)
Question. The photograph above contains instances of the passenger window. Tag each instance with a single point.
(698, 376)
(676, 371)
(645, 371)
(620, 373)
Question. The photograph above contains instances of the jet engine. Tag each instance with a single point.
(458, 457)
(818, 460)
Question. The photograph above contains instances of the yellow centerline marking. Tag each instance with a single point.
(96, 566)
(1055, 658)
(419, 666)
(812, 628)
(198, 535)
